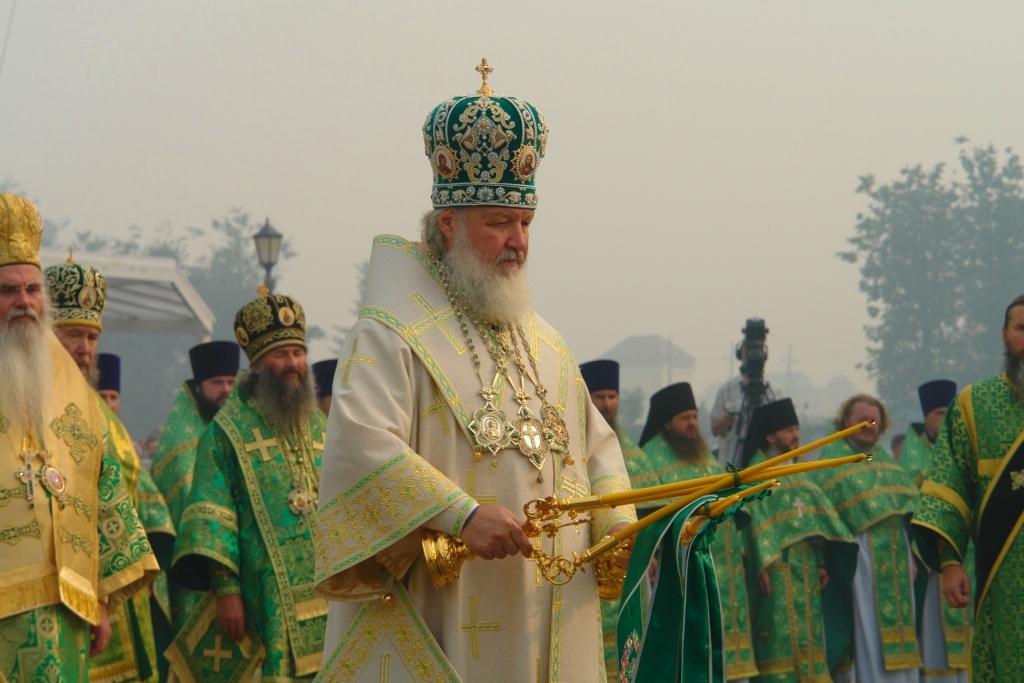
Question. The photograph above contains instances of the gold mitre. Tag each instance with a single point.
(21, 230)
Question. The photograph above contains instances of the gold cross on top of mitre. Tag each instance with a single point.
(484, 69)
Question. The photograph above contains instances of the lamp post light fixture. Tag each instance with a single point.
(268, 248)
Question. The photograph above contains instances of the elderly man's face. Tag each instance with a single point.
(21, 290)
(81, 341)
(495, 233)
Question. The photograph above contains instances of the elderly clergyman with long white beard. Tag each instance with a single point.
(57, 487)
(454, 405)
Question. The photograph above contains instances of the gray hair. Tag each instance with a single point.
(430, 230)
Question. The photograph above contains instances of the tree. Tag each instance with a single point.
(940, 257)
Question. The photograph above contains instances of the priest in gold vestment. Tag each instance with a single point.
(454, 404)
(78, 297)
(74, 547)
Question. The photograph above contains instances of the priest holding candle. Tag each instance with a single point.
(453, 405)
(677, 451)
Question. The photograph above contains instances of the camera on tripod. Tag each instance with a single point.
(753, 350)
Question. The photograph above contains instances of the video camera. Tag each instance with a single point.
(754, 334)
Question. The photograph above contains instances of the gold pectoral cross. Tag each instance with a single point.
(29, 476)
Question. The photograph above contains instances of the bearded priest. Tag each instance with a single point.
(677, 451)
(454, 405)
(78, 298)
(59, 573)
(972, 493)
(247, 530)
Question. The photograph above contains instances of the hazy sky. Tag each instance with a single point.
(701, 164)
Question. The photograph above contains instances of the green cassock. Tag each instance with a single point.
(791, 533)
(726, 552)
(957, 624)
(173, 465)
(640, 476)
(873, 497)
(131, 654)
(239, 535)
(973, 492)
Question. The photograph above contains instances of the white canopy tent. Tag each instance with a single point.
(145, 294)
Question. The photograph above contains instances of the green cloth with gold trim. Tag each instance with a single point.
(131, 653)
(874, 497)
(78, 294)
(984, 425)
(917, 453)
(791, 533)
(727, 552)
(48, 644)
(957, 624)
(639, 477)
(484, 149)
(239, 521)
(173, 465)
(268, 322)
(203, 654)
(156, 520)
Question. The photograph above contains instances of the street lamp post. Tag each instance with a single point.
(268, 248)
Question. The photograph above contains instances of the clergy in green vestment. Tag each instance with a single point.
(676, 451)
(74, 547)
(794, 536)
(246, 531)
(945, 631)
(874, 499)
(124, 659)
(214, 366)
(78, 299)
(602, 380)
(973, 493)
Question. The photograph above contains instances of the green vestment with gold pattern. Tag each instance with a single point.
(156, 520)
(957, 624)
(873, 497)
(726, 551)
(238, 520)
(972, 492)
(791, 533)
(173, 464)
(640, 476)
(131, 653)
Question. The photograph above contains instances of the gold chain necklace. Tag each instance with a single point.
(490, 427)
(302, 499)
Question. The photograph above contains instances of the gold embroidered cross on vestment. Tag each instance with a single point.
(346, 367)
(217, 653)
(474, 627)
(261, 444)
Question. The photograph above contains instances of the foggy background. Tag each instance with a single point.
(701, 167)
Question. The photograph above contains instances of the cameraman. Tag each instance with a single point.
(740, 396)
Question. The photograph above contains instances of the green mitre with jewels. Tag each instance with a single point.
(484, 149)
(78, 294)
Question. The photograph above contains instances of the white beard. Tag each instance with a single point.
(27, 370)
(493, 296)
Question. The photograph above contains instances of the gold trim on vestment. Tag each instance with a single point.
(125, 583)
(213, 512)
(174, 452)
(999, 560)
(989, 467)
(948, 495)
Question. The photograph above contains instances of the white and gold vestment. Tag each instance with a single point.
(399, 457)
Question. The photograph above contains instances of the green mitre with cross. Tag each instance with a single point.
(484, 149)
